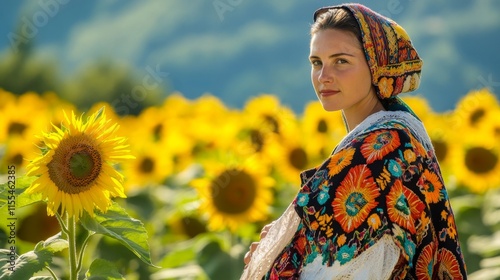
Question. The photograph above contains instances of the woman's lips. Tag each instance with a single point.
(328, 92)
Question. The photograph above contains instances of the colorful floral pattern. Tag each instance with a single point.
(339, 161)
(450, 266)
(426, 262)
(431, 187)
(394, 63)
(388, 183)
(404, 207)
(377, 146)
(355, 198)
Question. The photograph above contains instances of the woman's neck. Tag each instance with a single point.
(354, 116)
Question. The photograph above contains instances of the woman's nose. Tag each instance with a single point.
(325, 75)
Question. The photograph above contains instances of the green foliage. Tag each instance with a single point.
(103, 270)
(478, 222)
(31, 262)
(19, 186)
(119, 85)
(22, 71)
(116, 223)
(218, 263)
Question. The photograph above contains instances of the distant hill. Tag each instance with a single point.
(239, 49)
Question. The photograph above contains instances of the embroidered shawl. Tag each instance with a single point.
(381, 185)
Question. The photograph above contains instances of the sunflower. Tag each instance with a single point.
(151, 123)
(443, 138)
(322, 128)
(475, 109)
(213, 125)
(253, 141)
(17, 150)
(264, 132)
(491, 127)
(165, 128)
(152, 165)
(74, 171)
(234, 194)
(23, 117)
(476, 162)
(187, 224)
(269, 113)
(289, 153)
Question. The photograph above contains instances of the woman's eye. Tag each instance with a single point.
(341, 61)
(315, 63)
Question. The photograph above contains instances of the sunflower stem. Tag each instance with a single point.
(82, 251)
(51, 273)
(73, 272)
(64, 229)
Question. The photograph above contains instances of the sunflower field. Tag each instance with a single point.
(195, 181)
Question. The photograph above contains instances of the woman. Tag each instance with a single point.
(377, 208)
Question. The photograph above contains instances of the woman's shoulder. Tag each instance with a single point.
(395, 120)
(400, 122)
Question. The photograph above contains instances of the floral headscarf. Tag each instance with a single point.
(394, 63)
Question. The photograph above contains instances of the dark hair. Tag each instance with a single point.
(336, 18)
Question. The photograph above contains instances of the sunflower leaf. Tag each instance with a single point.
(14, 187)
(24, 266)
(116, 223)
(53, 244)
(102, 269)
(217, 263)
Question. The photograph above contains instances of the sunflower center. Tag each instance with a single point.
(298, 158)
(441, 149)
(257, 139)
(147, 165)
(480, 160)
(322, 126)
(273, 123)
(75, 165)
(16, 159)
(157, 131)
(81, 165)
(16, 128)
(192, 226)
(476, 116)
(233, 192)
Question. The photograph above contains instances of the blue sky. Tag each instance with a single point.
(237, 49)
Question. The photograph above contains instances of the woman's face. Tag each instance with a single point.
(339, 71)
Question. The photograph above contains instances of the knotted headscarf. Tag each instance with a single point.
(394, 63)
